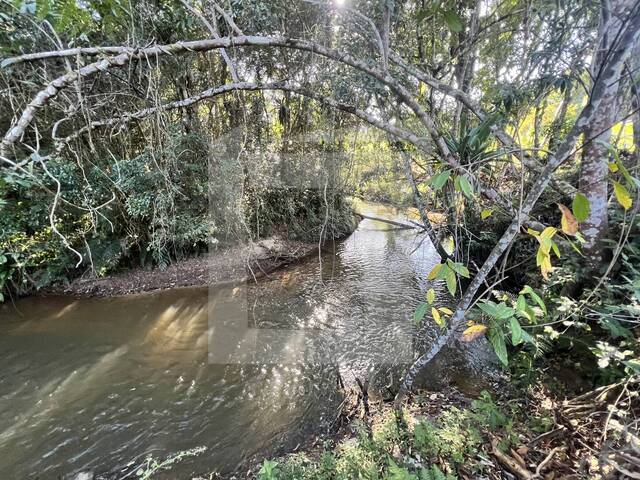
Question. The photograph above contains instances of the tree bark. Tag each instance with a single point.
(467, 66)
(635, 98)
(594, 166)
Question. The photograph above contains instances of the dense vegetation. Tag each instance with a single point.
(138, 136)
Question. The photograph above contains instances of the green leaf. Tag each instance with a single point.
(486, 213)
(634, 365)
(527, 338)
(453, 21)
(496, 337)
(622, 195)
(440, 179)
(459, 268)
(580, 207)
(498, 311)
(431, 296)
(521, 304)
(420, 312)
(516, 331)
(466, 187)
(398, 473)
(489, 307)
(616, 330)
(527, 290)
(452, 283)
(504, 312)
(624, 171)
(443, 272)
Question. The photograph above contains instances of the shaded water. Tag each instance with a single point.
(98, 383)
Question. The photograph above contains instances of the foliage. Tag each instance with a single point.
(305, 214)
(404, 447)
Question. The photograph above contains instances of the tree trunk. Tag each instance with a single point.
(558, 122)
(594, 167)
(635, 98)
(466, 67)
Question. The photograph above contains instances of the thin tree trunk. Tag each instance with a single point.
(635, 98)
(421, 205)
(537, 122)
(558, 121)
(385, 31)
(594, 167)
(467, 62)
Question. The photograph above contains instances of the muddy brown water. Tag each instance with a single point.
(100, 384)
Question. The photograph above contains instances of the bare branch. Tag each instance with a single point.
(213, 29)
(128, 54)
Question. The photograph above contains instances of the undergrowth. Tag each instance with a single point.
(405, 446)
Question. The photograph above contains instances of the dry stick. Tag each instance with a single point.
(227, 18)
(628, 38)
(390, 222)
(546, 460)
(510, 463)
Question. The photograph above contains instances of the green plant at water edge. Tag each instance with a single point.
(268, 470)
(153, 466)
(404, 447)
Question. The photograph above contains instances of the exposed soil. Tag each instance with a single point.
(233, 264)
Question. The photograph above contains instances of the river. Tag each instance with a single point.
(99, 384)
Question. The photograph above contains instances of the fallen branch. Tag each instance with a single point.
(546, 460)
(390, 222)
(511, 464)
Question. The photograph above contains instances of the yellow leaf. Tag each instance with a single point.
(434, 272)
(622, 195)
(486, 213)
(548, 232)
(545, 266)
(568, 222)
(431, 296)
(436, 317)
(446, 311)
(449, 245)
(473, 332)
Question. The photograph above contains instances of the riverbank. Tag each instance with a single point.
(237, 263)
(526, 434)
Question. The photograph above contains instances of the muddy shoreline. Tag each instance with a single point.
(234, 264)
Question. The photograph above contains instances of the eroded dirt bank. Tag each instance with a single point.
(232, 264)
